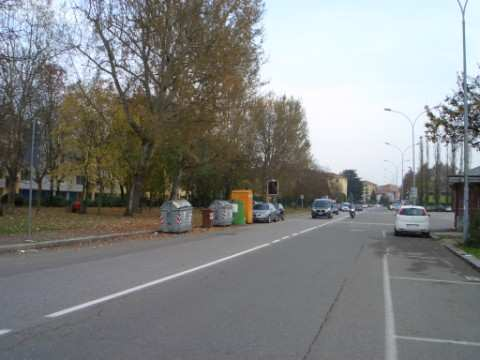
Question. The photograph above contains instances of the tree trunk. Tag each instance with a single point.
(175, 185)
(83, 205)
(136, 189)
(39, 192)
(12, 186)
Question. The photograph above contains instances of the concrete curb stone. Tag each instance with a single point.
(71, 241)
(468, 258)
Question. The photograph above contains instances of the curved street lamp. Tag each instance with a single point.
(412, 124)
(466, 215)
(402, 157)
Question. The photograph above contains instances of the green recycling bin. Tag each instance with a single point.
(238, 213)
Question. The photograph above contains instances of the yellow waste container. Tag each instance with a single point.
(245, 196)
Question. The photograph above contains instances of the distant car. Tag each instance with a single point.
(280, 211)
(396, 205)
(335, 208)
(322, 207)
(448, 208)
(265, 212)
(345, 206)
(365, 206)
(412, 219)
(358, 207)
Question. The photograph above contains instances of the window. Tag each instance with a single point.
(413, 212)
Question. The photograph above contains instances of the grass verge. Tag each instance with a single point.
(473, 250)
(108, 220)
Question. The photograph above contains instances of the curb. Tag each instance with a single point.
(71, 241)
(469, 259)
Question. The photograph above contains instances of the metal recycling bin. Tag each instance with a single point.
(176, 216)
(223, 213)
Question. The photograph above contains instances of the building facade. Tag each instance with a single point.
(392, 192)
(338, 186)
(368, 188)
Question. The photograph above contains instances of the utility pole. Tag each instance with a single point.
(421, 193)
(427, 169)
(466, 188)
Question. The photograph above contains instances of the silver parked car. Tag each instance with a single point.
(265, 212)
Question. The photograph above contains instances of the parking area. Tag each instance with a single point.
(431, 302)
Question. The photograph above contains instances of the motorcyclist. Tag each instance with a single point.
(352, 210)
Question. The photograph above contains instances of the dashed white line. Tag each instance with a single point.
(170, 277)
(390, 340)
(4, 331)
(384, 234)
(435, 280)
(441, 341)
(150, 284)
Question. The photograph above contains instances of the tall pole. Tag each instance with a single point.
(402, 157)
(413, 165)
(396, 170)
(466, 215)
(422, 174)
(30, 190)
(412, 124)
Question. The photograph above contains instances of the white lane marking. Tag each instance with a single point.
(307, 230)
(150, 284)
(276, 241)
(285, 237)
(441, 341)
(167, 278)
(365, 223)
(472, 278)
(435, 280)
(4, 331)
(390, 341)
(384, 234)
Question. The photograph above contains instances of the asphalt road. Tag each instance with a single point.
(300, 289)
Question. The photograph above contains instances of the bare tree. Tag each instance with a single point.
(165, 54)
(25, 49)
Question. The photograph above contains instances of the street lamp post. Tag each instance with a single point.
(412, 123)
(466, 215)
(402, 156)
(396, 169)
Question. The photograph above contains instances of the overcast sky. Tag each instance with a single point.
(349, 59)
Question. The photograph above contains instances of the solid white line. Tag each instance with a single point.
(167, 278)
(276, 241)
(441, 341)
(435, 280)
(390, 341)
(150, 284)
(4, 331)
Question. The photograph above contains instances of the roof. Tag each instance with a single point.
(412, 206)
(473, 176)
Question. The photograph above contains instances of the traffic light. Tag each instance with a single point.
(272, 187)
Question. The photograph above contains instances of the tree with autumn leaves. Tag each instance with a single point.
(159, 98)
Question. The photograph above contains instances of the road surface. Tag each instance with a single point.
(300, 289)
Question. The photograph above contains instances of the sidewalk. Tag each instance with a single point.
(451, 240)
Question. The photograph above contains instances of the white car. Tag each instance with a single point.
(412, 219)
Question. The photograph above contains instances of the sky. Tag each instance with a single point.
(347, 60)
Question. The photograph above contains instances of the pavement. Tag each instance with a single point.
(299, 289)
